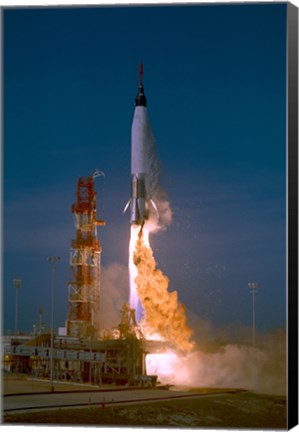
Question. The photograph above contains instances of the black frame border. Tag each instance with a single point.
(292, 234)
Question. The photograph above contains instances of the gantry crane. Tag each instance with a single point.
(85, 263)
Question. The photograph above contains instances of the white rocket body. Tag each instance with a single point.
(142, 143)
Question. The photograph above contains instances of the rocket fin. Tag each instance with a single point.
(154, 205)
(126, 206)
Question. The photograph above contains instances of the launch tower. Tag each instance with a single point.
(85, 263)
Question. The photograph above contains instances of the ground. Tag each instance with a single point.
(236, 410)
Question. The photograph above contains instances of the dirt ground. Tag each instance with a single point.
(246, 410)
(21, 383)
(239, 410)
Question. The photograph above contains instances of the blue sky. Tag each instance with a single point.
(215, 81)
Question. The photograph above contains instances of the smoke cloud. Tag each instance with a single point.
(261, 368)
(114, 293)
(162, 216)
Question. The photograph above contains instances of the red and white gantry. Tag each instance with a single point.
(85, 264)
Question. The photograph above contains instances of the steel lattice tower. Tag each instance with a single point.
(85, 264)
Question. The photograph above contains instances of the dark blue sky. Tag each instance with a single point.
(215, 81)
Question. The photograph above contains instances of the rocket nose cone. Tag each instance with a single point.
(140, 99)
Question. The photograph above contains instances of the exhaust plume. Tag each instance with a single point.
(163, 313)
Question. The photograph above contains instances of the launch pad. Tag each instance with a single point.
(119, 361)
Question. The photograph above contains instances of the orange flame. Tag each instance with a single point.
(163, 313)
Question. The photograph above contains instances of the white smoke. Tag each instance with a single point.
(161, 218)
(261, 368)
(114, 293)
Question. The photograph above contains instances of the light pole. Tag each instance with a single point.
(17, 283)
(53, 261)
(40, 320)
(253, 286)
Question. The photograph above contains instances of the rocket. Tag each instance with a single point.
(142, 144)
